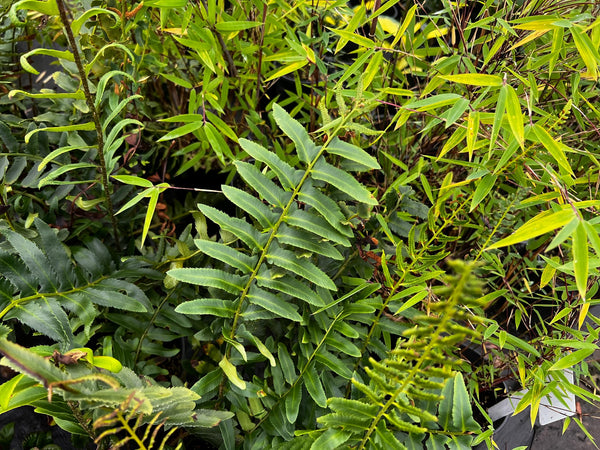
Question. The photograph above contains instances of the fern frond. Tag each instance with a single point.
(42, 286)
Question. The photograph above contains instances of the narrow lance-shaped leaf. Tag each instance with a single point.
(352, 153)
(228, 282)
(273, 303)
(327, 208)
(251, 205)
(208, 306)
(261, 184)
(292, 403)
(302, 267)
(304, 146)
(474, 79)
(580, 259)
(238, 227)
(226, 254)
(484, 187)
(231, 373)
(472, 130)
(514, 115)
(540, 224)
(572, 359)
(343, 181)
(314, 386)
(286, 174)
(553, 147)
(462, 414)
(498, 116)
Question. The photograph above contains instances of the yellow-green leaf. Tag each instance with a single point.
(540, 224)
(231, 373)
(474, 79)
(572, 359)
(553, 147)
(514, 115)
(580, 259)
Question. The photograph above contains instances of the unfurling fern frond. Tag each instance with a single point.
(40, 284)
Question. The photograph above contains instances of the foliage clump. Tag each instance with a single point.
(396, 187)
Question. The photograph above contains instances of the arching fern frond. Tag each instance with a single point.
(42, 287)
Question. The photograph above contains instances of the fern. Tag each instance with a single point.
(83, 390)
(413, 395)
(275, 273)
(42, 287)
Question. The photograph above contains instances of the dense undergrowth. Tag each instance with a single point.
(292, 224)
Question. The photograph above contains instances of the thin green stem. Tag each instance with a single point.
(38, 295)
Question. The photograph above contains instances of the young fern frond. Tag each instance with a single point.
(413, 395)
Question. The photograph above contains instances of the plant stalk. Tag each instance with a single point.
(95, 116)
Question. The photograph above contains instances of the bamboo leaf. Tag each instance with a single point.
(343, 181)
(484, 187)
(580, 259)
(307, 151)
(514, 115)
(235, 25)
(541, 224)
(474, 79)
(408, 19)
(498, 116)
(433, 102)
(274, 304)
(359, 40)
(572, 359)
(553, 148)
(472, 130)
(587, 51)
